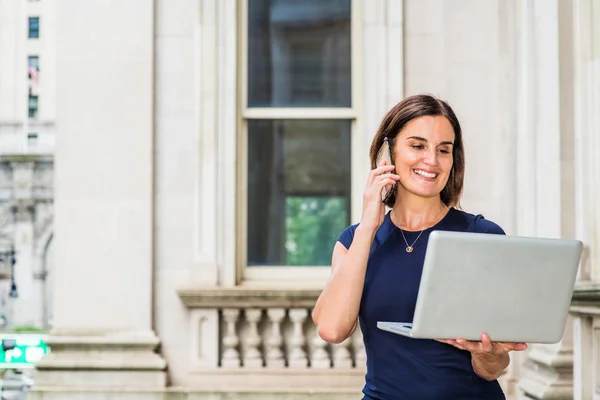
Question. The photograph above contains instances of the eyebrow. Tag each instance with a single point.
(422, 139)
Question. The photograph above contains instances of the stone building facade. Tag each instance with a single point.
(188, 145)
(27, 132)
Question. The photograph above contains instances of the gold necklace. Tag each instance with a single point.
(410, 247)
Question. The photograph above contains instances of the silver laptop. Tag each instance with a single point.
(515, 289)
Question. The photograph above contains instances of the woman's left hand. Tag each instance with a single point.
(485, 347)
(489, 359)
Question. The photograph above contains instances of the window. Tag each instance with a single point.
(297, 123)
(33, 62)
(33, 106)
(34, 27)
(32, 138)
(33, 68)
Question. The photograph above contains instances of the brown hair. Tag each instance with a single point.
(419, 106)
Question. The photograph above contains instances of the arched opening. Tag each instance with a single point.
(47, 286)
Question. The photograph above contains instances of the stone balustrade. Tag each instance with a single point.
(249, 338)
(281, 338)
(264, 339)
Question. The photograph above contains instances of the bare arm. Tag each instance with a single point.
(336, 311)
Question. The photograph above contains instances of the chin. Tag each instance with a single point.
(427, 194)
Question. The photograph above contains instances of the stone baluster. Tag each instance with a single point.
(341, 354)
(252, 354)
(297, 355)
(273, 353)
(231, 355)
(320, 357)
(360, 356)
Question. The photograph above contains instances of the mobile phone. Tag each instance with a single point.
(385, 154)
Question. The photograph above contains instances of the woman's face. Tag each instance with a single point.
(423, 155)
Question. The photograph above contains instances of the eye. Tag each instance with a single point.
(417, 146)
(444, 151)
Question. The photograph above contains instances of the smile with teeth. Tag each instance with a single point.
(425, 174)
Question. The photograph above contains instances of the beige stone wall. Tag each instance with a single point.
(461, 52)
(180, 165)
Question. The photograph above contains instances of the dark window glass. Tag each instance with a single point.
(33, 106)
(299, 53)
(298, 190)
(34, 27)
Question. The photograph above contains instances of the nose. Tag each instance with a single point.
(431, 156)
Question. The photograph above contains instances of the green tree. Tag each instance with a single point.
(313, 224)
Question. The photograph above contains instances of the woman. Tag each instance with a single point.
(377, 264)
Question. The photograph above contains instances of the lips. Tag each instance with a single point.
(429, 175)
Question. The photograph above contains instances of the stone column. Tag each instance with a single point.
(382, 33)
(103, 306)
(546, 121)
(586, 304)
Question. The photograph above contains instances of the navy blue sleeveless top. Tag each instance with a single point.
(401, 368)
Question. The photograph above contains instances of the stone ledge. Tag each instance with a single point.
(547, 359)
(244, 297)
(84, 359)
(99, 380)
(103, 361)
(585, 299)
(177, 393)
(26, 157)
(89, 341)
(578, 310)
(586, 292)
(276, 379)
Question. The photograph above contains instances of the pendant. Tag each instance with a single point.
(409, 249)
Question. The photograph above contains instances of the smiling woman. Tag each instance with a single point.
(413, 126)
(377, 264)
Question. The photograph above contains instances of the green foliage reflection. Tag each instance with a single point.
(313, 224)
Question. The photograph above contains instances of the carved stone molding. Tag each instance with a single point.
(586, 293)
(220, 297)
(586, 299)
(22, 179)
(23, 210)
(102, 359)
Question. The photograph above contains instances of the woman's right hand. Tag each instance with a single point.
(373, 208)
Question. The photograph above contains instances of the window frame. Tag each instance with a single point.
(293, 274)
(29, 30)
(36, 109)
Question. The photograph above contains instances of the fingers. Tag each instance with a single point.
(486, 343)
(467, 345)
(474, 347)
(377, 172)
(452, 342)
(510, 346)
(385, 182)
(385, 179)
(485, 346)
(520, 346)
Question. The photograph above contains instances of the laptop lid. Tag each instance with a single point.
(513, 288)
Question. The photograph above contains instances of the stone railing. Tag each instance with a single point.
(585, 311)
(564, 370)
(261, 338)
